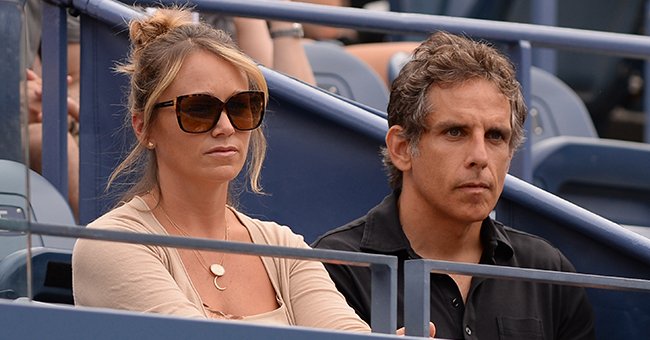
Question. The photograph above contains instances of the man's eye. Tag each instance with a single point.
(454, 132)
(494, 135)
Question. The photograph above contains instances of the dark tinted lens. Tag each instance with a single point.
(245, 110)
(198, 113)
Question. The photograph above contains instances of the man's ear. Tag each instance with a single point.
(398, 148)
(512, 154)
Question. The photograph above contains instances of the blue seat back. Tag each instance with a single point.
(556, 110)
(342, 73)
(51, 275)
(44, 204)
(51, 271)
(608, 177)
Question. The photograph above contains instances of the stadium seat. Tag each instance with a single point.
(51, 275)
(556, 110)
(46, 205)
(344, 74)
(50, 266)
(378, 55)
(395, 64)
(608, 177)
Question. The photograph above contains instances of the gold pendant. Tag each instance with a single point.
(218, 271)
(216, 284)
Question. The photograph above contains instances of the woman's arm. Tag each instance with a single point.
(254, 40)
(289, 56)
(130, 277)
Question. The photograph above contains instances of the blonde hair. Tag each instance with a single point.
(159, 45)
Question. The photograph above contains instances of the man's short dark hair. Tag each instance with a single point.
(447, 60)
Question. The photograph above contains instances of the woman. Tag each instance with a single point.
(190, 147)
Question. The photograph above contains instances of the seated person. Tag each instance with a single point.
(35, 126)
(32, 57)
(196, 104)
(276, 44)
(456, 116)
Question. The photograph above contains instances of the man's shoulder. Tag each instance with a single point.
(346, 237)
(535, 252)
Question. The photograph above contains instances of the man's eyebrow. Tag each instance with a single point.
(500, 128)
(447, 124)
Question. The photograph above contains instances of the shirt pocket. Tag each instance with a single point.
(520, 328)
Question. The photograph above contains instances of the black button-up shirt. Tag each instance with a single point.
(495, 309)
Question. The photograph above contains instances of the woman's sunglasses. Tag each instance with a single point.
(198, 113)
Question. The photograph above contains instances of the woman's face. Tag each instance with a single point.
(213, 156)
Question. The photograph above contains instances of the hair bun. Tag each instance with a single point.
(147, 29)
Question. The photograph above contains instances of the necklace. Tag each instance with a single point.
(216, 269)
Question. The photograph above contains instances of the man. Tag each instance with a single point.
(455, 119)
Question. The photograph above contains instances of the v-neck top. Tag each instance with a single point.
(150, 278)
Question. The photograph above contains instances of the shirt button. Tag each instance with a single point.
(468, 330)
(455, 302)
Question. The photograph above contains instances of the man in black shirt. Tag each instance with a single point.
(455, 119)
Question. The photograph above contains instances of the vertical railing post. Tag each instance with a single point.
(417, 298)
(544, 12)
(646, 77)
(383, 296)
(11, 69)
(521, 165)
(55, 94)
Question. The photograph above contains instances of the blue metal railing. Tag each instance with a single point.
(23, 320)
(11, 70)
(573, 217)
(417, 284)
(55, 94)
(383, 268)
(538, 36)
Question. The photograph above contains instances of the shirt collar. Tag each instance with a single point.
(383, 234)
(497, 248)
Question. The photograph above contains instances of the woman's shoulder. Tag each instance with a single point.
(269, 232)
(134, 216)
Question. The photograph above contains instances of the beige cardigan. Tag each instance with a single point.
(153, 279)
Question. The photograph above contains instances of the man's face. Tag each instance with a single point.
(460, 167)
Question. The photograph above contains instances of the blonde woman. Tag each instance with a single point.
(196, 105)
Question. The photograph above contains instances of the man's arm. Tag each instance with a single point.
(577, 316)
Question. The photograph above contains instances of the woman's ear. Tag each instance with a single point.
(398, 148)
(137, 122)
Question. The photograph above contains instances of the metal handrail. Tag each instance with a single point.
(620, 44)
(383, 268)
(516, 33)
(417, 284)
